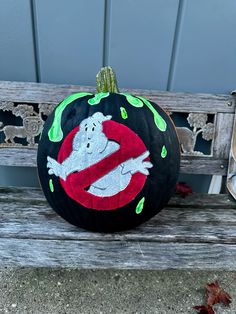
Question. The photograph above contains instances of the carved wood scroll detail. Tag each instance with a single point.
(32, 116)
(188, 137)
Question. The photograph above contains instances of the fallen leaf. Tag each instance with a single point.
(204, 309)
(183, 189)
(216, 294)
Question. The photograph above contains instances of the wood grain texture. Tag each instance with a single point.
(116, 255)
(180, 102)
(223, 134)
(195, 200)
(26, 157)
(188, 234)
(203, 165)
(188, 225)
(21, 157)
(25, 214)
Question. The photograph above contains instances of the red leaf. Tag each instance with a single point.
(204, 309)
(216, 294)
(183, 189)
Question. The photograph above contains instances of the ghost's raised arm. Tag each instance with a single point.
(134, 165)
(54, 167)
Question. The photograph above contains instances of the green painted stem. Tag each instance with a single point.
(106, 81)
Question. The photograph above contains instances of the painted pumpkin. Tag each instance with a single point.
(108, 161)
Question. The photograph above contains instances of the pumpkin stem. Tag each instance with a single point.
(106, 81)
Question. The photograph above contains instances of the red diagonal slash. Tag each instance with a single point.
(131, 146)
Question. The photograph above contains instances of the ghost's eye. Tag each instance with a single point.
(93, 129)
(86, 129)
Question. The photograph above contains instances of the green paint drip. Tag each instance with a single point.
(139, 101)
(124, 113)
(159, 121)
(51, 185)
(139, 207)
(163, 152)
(134, 101)
(97, 98)
(55, 133)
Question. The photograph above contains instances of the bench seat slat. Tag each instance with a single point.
(161, 232)
(198, 219)
(116, 254)
(196, 200)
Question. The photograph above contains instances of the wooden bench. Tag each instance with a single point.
(198, 232)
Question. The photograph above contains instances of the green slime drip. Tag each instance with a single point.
(139, 207)
(134, 101)
(159, 121)
(124, 113)
(51, 185)
(139, 101)
(163, 152)
(55, 133)
(97, 98)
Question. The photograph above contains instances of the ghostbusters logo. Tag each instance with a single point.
(101, 164)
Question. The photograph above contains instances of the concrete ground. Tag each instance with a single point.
(74, 291)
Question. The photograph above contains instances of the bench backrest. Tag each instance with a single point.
(204, 118)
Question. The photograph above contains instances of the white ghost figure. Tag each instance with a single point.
(90, 145)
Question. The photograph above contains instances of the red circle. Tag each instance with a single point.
(131, 146)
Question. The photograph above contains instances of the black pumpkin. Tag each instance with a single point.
(108, 161)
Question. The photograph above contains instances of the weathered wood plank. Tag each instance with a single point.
(203, 200)
(116, 255)
(195, 200)
(23, 220)
(20, 157)
(203, 165)
(26, 157)
(223, 133)
(180, 102)
(189, 233)
(24, 194)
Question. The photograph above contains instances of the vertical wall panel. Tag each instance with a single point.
(205, 56)
(70, 40)
(140, 41)
(16, 41)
